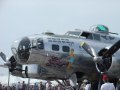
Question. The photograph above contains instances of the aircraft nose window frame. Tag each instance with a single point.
(23, 48)
(14, 51)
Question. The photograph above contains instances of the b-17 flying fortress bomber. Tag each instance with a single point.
(74, 55)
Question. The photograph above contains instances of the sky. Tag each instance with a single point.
(19, 18)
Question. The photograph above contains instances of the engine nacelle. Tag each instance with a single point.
(17, 71)
(33, 71)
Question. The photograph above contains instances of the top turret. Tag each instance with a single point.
(100, 29)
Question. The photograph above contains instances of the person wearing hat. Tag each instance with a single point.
(48, 85)
(41, 86)
(88, 85)
(107, 85)
(83, 85)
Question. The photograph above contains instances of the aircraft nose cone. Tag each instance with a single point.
(21, 48)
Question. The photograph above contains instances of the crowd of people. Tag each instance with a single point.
(24, 86)
(35, 86)
(86, 85)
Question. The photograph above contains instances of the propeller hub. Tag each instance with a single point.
(98, 59)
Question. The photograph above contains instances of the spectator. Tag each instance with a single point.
(41, 86)
(24, 86)
(59, 87)
(0, 86)
(48, 86)
(83, 85)
(87, 86)
(3, 87)
(31, 87)
(36, 86)
(13, 87)
(19, 86)
(118, 85)
(107, 85)
(68, 86)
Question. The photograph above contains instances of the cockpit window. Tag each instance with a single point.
(96, 37)
(73, 33)
(34, 44)
(87, 35)
(40, 44)
(104, 37)
(111, 38)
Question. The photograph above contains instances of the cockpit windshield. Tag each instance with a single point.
(37, 44)
(87, 35)
(73, 33)
(91, 36)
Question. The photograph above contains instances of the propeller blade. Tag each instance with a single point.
(89, 49)
(3, 56)
(99, 60)
(112, 50)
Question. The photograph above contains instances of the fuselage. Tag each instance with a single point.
(51, 55)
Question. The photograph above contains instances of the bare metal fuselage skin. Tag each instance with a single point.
(49, 63)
